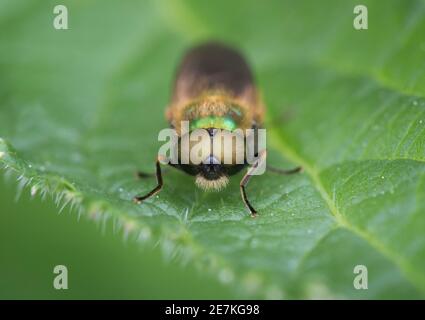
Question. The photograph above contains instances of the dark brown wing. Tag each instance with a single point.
(212, 66)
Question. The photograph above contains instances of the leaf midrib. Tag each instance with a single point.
(409, 271)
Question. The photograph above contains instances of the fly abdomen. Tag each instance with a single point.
(212, 67)
(214, 84)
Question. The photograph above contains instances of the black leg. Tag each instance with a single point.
(286, 172)
(139, 199)
(143, 175)
(245, 181)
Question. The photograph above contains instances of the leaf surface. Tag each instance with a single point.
(81, 108)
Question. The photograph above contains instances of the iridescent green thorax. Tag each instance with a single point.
(218, 122)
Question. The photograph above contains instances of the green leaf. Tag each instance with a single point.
(81, 108)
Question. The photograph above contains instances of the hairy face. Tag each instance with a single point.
(211, 185)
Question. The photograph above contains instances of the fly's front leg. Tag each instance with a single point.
(154, 191)
(245, 180)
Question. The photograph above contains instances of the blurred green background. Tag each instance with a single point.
(101, 265)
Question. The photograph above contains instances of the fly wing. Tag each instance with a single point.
(210, 67)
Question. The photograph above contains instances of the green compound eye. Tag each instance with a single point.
(225, 123)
